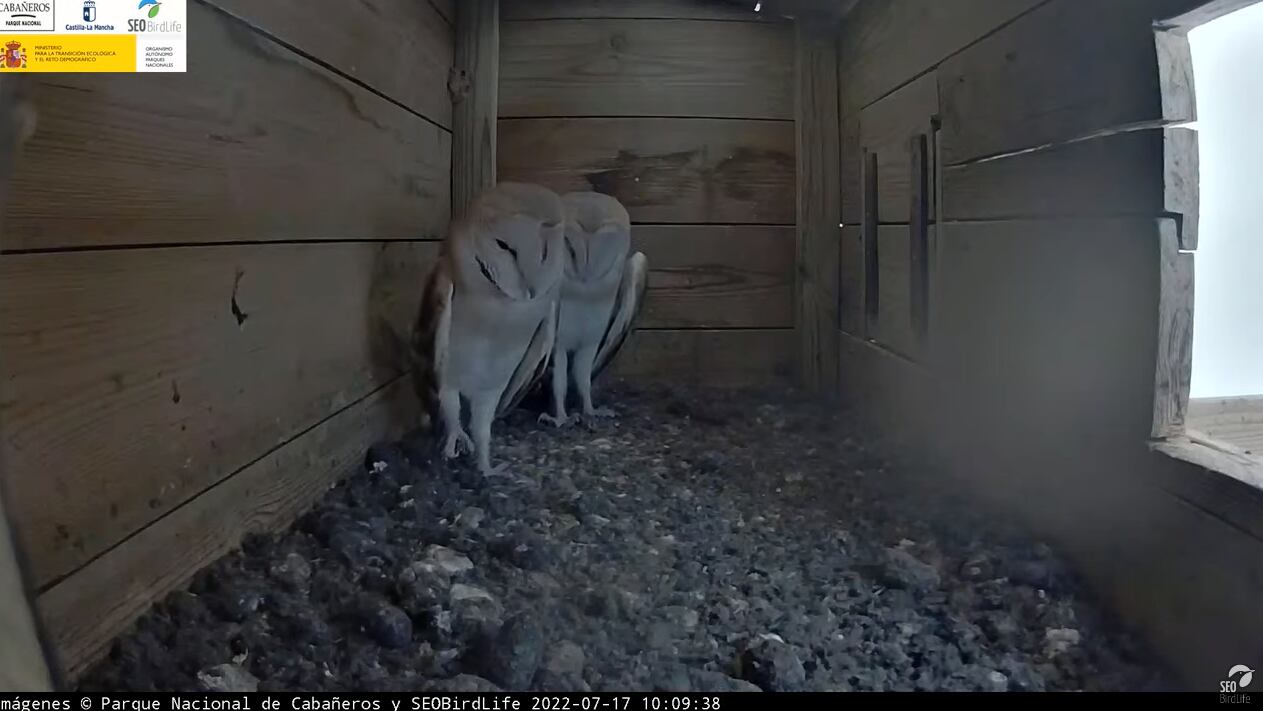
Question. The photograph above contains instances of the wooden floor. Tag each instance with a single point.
(1237, 421)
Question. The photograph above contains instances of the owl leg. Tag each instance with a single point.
(583, 362)
(482, 411)
(561, 371)
(457, 440)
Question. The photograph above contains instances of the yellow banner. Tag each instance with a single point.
(68, 53)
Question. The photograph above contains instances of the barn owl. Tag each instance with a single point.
(487, 322)
(601, 296)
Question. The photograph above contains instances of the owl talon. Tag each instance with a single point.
(557, 422)
(457, 444)
(498, 471)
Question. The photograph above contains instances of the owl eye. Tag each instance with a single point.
(505, 246)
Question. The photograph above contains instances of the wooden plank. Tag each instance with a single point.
(715, 171)
(1237, 421)
(351, 37)
(819, 208)
(887, 43)
(90, 608)
(1109, 176)
(1003, 94)
(1182, 182)
(475, 98)
(647, 68)
(710, 276)
(886, 129)
(1175, 75)
(1223, 483)
(729, 358)
(1199, 12)
(851, 287)
(214, 156)
(1174, 373)
(892, 391)
(1050, 312)
(1180, 574)
(137, 378)
(641, 9)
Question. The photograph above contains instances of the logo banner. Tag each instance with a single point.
(104, 36)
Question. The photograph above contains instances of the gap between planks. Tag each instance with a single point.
(193, 245)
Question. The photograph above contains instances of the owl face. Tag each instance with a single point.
(598, 235)
(513, 243)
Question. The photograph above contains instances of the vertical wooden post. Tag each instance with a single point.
(475, 89)
(919, 234)
(871, 232)
(818, 132)
(24, 653)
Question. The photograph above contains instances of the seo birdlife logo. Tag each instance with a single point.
(1239, 677)
(150, 11)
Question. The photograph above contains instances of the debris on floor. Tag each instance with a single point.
(703, 541)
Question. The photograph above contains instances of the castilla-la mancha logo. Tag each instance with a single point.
(1239, 677)
(14, 56)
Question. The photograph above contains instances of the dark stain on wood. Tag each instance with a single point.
(641, 181)
(660, 179)
(237, 313)
(749, 171)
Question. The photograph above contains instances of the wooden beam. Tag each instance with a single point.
(872, 288)
(25, 665)
(475, 87)
(1173, 378)
(819, 208)
(919, 236)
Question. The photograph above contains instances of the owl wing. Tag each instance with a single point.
(534, 362)
(430, 338)
(627, 306)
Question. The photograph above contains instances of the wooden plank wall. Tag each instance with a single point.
(1047, 132)
(190, 296)
(682, 109)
